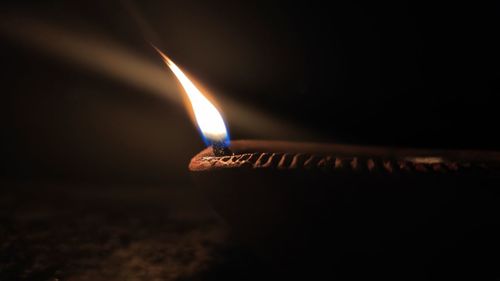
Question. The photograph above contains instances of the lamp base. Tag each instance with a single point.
(349, 207)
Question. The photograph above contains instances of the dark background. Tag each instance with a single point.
(95, 144)
(402, 73)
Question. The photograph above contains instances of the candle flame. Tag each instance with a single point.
(210, 121)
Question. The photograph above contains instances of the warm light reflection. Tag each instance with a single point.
(207, 116)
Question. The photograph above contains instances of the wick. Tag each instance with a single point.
(220, 149)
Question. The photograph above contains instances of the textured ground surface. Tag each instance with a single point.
(79, 232)
(66, 232)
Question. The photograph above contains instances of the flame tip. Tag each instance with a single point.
(162, 54)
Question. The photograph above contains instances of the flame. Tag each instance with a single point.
(210, 121)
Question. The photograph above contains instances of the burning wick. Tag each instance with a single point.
(210, 121)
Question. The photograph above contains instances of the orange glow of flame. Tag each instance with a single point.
(210, 121)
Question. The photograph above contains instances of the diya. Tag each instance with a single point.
(348, 209)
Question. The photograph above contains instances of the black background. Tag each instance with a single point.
(402, 73)
(94, 145)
